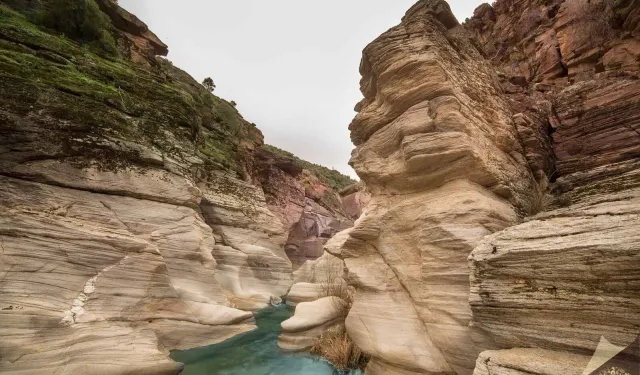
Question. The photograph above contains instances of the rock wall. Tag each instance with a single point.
(438, 151)
(135, 218)
(502, 161)
(576, 68)
(355, 199)
(311, 212)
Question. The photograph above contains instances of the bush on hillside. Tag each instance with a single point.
(81, 20)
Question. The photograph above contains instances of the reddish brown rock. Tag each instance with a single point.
(557, 39)
(578, 119)
(354, 200)
(310, 211)
(315, 227)
(278, 178)
(142, 43)
(430, 136)
(598, 124)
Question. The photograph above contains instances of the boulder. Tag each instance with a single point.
(305, 292)
(310, 320)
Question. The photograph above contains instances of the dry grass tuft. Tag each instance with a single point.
(337, 347)
(335, 344)
(333, 284)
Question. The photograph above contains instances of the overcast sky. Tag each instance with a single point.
(291, 65)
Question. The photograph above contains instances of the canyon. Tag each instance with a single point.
(140, 213)
(495, 229)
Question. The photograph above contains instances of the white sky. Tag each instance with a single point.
(291, 65)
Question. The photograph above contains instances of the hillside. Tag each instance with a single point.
(331, 177)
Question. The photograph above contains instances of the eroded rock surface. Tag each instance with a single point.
(310, 211)
(530, 361)
(133, 215)
(438, 150)
(311, 320)
(581, 250)
(320, 278)
(73, 261)
(354, 200)
(519, 131)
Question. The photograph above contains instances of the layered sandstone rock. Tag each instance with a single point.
(530, 361)
(581, 251)
(73, 260)
(309, 235)
(559, 39)
(311, 212)
(454, 149)
(310, 321)
(142, 44)
(438, 150)
(133, 218)
(563, 279)
(251, 261)
(322, 277)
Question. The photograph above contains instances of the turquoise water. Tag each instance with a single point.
(253, 353)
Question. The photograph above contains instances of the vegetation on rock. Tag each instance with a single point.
(81, 20)
(338, 348)
(208, 84)
(49, 64)
(335, 344)
(331, 177)
(90, 99)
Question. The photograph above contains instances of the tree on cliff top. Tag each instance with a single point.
(208, 84)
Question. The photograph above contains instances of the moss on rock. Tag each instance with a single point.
(80, 96)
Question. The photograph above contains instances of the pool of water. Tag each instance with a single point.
(254, 353)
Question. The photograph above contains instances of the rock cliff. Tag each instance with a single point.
(502, 159)
(139, 213)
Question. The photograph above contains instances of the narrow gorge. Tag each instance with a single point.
(140, 213)
(495, 229)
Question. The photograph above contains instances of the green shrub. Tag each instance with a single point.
(208, 84)
(81, 20)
